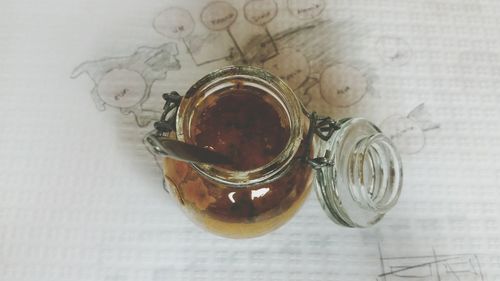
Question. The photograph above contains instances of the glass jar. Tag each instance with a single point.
(259, 121)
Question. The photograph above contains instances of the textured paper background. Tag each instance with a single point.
(81, 199)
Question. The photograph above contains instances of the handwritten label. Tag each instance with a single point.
(393, 50)
(174, 23)
(405, 133)
(122, 88)
(342, 85)
(306, 9)
(218, 15)
(121, 94)
(343, 91)
(260, 12)
(290, 66)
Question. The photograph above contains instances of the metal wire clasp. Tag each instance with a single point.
(166, 123)
(323, 127)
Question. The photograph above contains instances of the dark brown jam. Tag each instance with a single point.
(252, 129)
(242, 125)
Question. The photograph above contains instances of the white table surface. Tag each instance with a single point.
(81, 199)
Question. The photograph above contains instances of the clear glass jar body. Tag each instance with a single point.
(238, 212)
(248, 203)
(356, 170)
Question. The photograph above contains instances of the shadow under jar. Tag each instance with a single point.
(278, 151)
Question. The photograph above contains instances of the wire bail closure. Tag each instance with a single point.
(166, 124)
(324, 128)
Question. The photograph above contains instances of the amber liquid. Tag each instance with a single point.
(251, 129)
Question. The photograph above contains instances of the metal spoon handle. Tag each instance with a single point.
(165, 147)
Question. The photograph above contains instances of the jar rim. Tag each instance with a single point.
(270, 84)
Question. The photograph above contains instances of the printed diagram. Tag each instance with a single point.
(324, 72)
(347, 82)
(309, 57)
(434, 267)
(324, 77)
(318, 58)
(125, 82)
(408, 132)
(260, 13)
(217, 17)
(306, 9)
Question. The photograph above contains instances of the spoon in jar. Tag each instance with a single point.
(182, 151)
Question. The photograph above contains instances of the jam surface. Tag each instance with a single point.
(242, 125)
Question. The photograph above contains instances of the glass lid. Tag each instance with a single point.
(364, 177)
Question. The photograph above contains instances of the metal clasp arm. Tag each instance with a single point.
(167, 120)
(323, 127)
